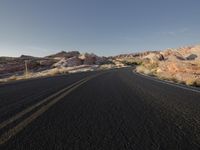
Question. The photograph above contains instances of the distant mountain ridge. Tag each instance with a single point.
(60, 59)
(180, 64)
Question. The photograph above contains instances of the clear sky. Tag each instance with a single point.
(104, 27)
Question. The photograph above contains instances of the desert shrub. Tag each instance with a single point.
(144, 70)
(150, 65)
(193, 82)
(162, 77)
(63, 71)
(106, 62)
(107, 66)
(140, 69)
(181, 82)
(133, 63)
(197, 83)
(12, 78)
(174, 79)
(53, 72)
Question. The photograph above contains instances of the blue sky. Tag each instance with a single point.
(104, 27)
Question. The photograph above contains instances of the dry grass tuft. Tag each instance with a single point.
(148, 68)
(12, 78)
(193, 82)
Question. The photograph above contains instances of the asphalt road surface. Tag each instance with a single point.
(115, 109)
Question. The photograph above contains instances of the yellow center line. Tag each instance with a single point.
(12, 132)
(29, 109)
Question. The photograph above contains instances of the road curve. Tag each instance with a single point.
(113, 110)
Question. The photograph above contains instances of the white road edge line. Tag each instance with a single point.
(168, 83)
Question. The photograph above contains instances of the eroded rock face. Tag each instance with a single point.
(82, 59)
(10, 68)
(101, 60)
(61, 59)
(64, 54)
(181, 65)
(185, 53)
(12, 65)
(192, 57)
(154, 57)
(16, 66)
(47, 62)
(90, 59)
(74, 61)
(60, 63)
(180, 71)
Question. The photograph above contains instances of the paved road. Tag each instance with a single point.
(110, 110)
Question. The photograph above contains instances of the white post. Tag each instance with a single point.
(26, 68)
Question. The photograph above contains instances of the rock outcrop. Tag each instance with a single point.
(64, 54)
(69, 62)
(61, 59)
(180, 65)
